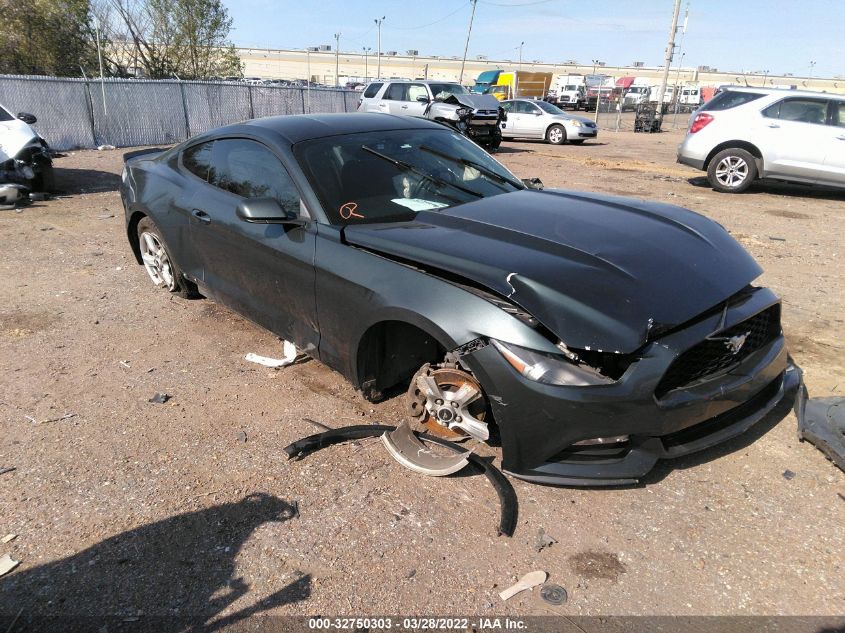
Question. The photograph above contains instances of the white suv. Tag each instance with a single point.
(473, 115)
(747, 133)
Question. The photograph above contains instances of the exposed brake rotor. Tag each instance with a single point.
(448, 402)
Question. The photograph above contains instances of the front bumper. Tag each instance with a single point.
(540, 424)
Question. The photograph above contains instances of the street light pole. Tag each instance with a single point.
(336, 59)
(466, 46)
(378, 22)
(811, 73)
(308, 79)
(520, 54)
(367, 49)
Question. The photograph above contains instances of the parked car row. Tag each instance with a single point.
(477, 116)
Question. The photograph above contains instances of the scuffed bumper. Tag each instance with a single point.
(543, 427)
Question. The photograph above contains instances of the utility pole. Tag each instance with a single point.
(676, 93)
(811, 73)
(596, 62)
(670, 52)
(367, 49)
(308, 79)
(466, 46)
(520, 54)
(378, 24)
(102, 80)
(336, 59)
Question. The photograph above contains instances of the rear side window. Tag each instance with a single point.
(800, 110)
(372, 90)
(731, 99)
(197, 159)
(5, 116)
(250, 170)
(396, 92)
(839, 113)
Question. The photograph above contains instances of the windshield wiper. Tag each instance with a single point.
(401, 164)
(471, 163)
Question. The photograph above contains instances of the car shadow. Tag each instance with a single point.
(74, 181)
(779, 188)
(165, 576)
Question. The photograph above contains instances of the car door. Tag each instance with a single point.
(414, 107)
(533, 120)
(264, 271)
(792, 135)
(395, 97)
(834, 159)
(516, 123)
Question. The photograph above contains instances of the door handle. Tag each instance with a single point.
(404, 107)
(840, 138)
(773, 125)
(202, 216)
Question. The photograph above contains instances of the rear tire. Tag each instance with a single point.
(732, 170)
(556, 134)
(158, 263)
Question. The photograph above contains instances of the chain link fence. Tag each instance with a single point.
(80, 113)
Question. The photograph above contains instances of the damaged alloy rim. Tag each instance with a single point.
(156, 261)
(449, 403)
(731, 171)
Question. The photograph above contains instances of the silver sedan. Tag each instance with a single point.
(528, 118)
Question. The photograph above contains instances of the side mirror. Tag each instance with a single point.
(265, 211)
(27, 118)
(422, 99)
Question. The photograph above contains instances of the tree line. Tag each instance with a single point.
(188, 39)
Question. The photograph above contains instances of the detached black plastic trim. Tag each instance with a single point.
(507, 495)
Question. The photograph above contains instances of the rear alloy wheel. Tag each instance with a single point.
(441, 397)
(732, 170)
(556, 135)
(157, 261)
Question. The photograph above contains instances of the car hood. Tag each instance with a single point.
(600, 272)
(479, 102)
(568, 117)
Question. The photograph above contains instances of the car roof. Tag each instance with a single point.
(301, 127)
(784, 92)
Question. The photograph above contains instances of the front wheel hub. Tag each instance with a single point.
(449, 403)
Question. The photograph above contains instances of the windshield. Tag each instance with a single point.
(548, 107)
(442, 91)
(390, 176)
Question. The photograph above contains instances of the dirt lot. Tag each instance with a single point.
(190, 507)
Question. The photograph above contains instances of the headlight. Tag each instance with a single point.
(462, 112)
(548, 369)
(575, 122)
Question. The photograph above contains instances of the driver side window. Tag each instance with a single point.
(250, 170)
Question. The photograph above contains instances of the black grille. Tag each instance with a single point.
(713, 356)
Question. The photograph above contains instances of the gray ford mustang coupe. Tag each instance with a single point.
(590, 335)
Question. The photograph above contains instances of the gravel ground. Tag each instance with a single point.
(124, 506)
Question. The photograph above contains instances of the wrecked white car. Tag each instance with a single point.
(25, 157)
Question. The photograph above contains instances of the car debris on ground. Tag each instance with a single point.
(507, 495)
(3, 470)
(7, 564)
(8, 538)
(290, 354)
(554, 594)
(543, 540)
(407, 449)
(159, 398)
(821, 421)
(528, 581)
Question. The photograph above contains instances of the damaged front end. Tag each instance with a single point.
(475, 116)
(25, 157)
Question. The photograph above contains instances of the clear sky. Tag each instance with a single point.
(779, 36)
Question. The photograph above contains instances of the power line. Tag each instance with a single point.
(524, 4)
(445, 17)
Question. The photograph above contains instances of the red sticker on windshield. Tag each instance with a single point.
(349, 210)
